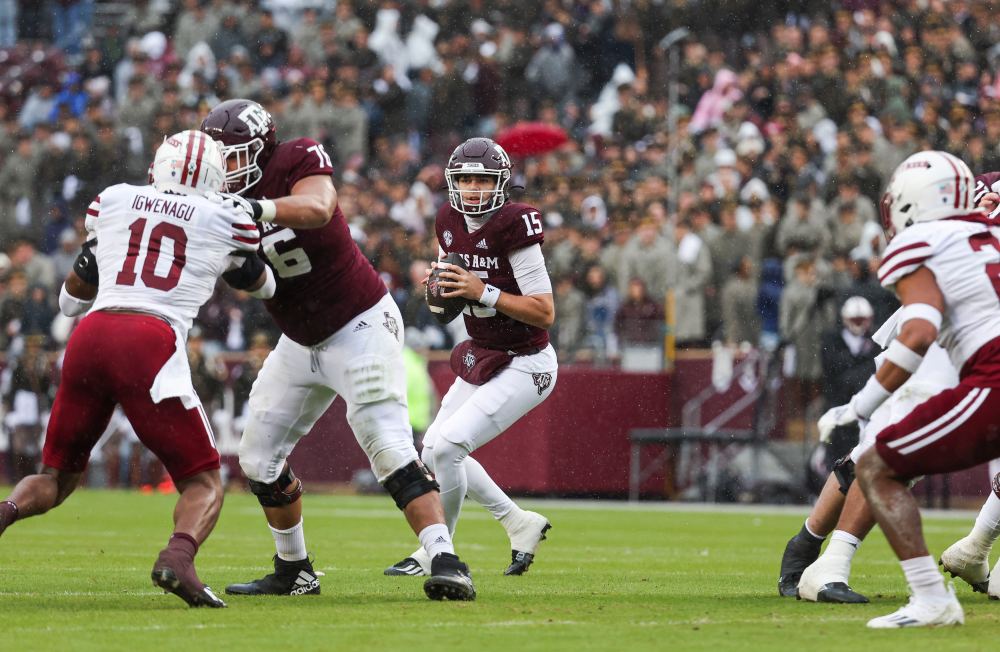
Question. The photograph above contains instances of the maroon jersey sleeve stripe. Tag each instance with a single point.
(93, 213)
(240, 238)
(915, 245)
(915, 262)
(245, 227)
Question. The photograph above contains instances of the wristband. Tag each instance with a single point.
(903, 356)
(491, 295)
(268, 210)
(869, 398)
(72, 306)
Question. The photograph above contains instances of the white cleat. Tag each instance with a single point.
(825, 580)
(967, 561)
(417, 564)
(526, 531)
(923, 614)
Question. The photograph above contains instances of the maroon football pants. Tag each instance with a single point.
(114, 358)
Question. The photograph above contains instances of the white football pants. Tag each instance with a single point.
(472, 416)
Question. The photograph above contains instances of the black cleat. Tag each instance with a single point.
(408, 566)
(519, 563)
(288, 578)
(450, 579)
(799, 554)
(839, 593)
(175, 574)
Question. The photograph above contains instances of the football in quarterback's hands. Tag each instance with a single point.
(444, 309)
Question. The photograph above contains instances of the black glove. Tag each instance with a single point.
(85, 264)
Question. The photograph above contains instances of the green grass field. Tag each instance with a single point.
(610, 577)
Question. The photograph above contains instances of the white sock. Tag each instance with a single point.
(925, 581)
(450, 472)
(290, 543)
(486, 492)
(435, 540)
(843, 545)
(987, 527)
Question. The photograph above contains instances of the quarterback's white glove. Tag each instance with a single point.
(842, 415)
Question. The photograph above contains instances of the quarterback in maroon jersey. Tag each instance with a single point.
(507, 367)
(341, 334)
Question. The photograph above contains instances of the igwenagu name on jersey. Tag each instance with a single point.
(163, 206)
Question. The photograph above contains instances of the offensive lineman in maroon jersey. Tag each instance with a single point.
(341, 334)
(508, 367)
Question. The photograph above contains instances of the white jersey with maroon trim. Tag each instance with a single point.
(163, 252)
(964, 255)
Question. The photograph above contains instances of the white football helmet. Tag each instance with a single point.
(189, 162)
(929, 185)
(857, 315)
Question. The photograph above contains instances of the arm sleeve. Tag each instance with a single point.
(529, 270)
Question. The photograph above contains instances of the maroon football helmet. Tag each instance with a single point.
(247, 132)
(478, 157)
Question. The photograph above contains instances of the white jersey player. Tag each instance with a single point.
(153, 258)
(942, 261)
(827, 578)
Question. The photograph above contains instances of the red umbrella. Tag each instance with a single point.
(531, 138)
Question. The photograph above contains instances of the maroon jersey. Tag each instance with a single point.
(986, 182)
(323, 279)
(514, 226)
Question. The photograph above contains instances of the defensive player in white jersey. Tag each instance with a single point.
(942, 260)
(153, 256)
(508, 367)
(827, 579)
(969, 557)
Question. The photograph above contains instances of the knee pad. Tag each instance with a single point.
(409, 483)
(277, 494)
(843, 470)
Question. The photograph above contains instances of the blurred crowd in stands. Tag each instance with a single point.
(789, 117)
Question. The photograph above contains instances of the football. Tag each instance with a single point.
(445, 309)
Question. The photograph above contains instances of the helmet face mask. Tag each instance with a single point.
(243, 170)
(478, 157)
(188, 162)
(927, 186)
(247, 134)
